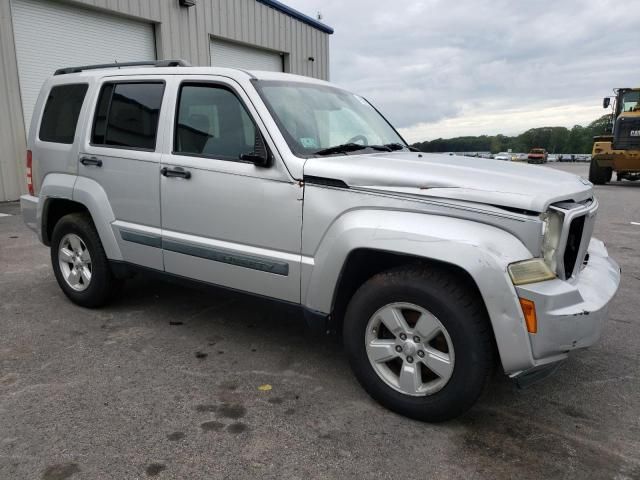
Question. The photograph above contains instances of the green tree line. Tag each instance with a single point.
(578, 139)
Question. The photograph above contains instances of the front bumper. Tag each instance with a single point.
(571, 313)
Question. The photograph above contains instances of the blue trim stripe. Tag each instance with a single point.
(209, 253)
(281, 7)
(225, 256)
(147, 239)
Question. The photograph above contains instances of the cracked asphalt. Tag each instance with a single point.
(168, 382)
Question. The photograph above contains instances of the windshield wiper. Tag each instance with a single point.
(345, 147)
(352, 147)
(394, 146)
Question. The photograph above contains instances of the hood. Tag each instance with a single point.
(493, 182)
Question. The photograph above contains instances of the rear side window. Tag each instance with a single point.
(127, 115)
(61, 113)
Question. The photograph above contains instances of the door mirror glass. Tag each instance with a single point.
(606, 101)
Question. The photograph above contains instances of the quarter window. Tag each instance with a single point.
(127, 115)
(61, 113)
(212, 122)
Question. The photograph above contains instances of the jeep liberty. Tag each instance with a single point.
(434, 267)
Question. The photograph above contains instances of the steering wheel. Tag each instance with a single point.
(355, 139)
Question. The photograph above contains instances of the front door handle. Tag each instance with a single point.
(86, 161)
(176, 172)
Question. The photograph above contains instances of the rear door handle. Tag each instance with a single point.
(175, 172)
(86, 161)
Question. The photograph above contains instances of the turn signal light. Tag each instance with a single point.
(529, 310)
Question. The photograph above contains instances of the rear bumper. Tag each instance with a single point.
(29, 208)
(571, 313)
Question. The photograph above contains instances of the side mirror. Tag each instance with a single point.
(606, 101)
(260, 157)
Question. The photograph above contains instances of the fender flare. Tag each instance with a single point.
(54, 185)
(89, 193)
(86, 192)
(483, 251)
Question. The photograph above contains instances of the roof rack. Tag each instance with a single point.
(159, 63)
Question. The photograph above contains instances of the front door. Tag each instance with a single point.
(226, 221)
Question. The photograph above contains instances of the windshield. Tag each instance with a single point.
(321, 120)
(630, 102)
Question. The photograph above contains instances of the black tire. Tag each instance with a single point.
(102, 284)
(459, 309)
(599, 175)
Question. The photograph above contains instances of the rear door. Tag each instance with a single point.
(227, 221)
(121, 154)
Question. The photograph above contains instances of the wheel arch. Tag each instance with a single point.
(364, 263)
(478, 253)
(53, 210)
(62, 194)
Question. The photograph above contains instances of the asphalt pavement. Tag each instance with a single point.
(168, 382)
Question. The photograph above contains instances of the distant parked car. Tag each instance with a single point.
(506, 156)
(552, 157)
(537, 155)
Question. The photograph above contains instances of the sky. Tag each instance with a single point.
(446, 68)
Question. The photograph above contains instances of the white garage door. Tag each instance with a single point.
(233, 55)
(52, 35)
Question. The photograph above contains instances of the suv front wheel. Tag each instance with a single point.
(79, 262)
(419, 342)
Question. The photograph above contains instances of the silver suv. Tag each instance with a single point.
(433, 267)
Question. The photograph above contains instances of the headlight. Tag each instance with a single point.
(552, 229)
(541, 269)
(530, 271)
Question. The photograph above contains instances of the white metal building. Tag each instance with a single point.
(39, 36)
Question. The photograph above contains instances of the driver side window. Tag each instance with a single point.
(212, 122)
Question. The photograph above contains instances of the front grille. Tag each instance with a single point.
(627, 134)
(574, 240)
(578, 220)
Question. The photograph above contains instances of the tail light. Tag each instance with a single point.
(30, 172)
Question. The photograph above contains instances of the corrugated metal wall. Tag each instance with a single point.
(180, 33)
(12, 136)
(184, 32)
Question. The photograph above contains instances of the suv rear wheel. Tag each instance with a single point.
(599, 175)
(79, 263)
(419, 342)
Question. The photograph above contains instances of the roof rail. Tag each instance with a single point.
(158, 63)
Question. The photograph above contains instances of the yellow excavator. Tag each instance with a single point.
(619, 151)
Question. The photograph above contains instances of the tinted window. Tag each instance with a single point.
(213, 122)
(61, 113)
(127, 115)
(100, 122)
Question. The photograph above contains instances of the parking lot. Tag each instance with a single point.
(174, 383)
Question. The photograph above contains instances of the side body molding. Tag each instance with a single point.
(481, 250)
